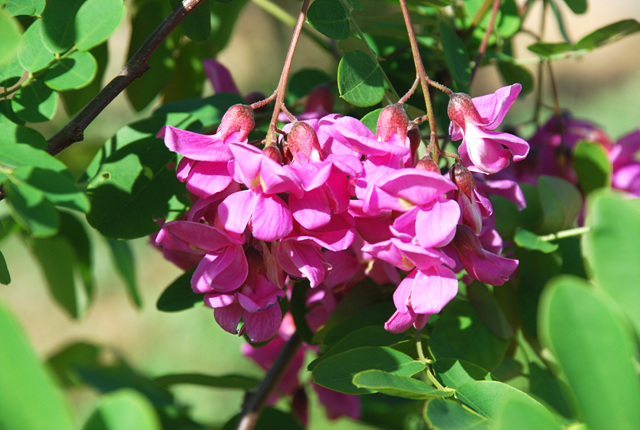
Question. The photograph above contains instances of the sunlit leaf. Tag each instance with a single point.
(89, 31)
(35, 103)
(608, 34)
(592, 165)
(72, 72)
(32, 210)
(329, 18)
(595, 349)
(454, 372)
(532, 241)
(25, 7)
(360, 81)
(456, 56)
(446, 414)
(397, 385)
(123, 410)
(32, 54)
(10, 34)
(59, 24)
(26, 385)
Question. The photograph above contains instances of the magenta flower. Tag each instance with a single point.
(626, 167)
(479, 263)
(472, 120)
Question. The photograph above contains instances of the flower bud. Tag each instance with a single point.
(426, 163)
(274, 153)
(462, 177)
(414, 139)
(239, 118)
(392, 120)
(303, 143)
(320, 99)
(461, 107)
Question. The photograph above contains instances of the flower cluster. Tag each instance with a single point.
(332, 202)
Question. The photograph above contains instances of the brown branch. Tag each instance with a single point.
(256, 400)
(135, 67)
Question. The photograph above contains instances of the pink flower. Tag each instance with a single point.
(479, 263)
(626, 167)
(472, 120)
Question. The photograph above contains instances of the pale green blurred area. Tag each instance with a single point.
(603, 86)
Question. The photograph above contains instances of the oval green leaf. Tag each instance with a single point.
(446, 414)
(337, 372)
(329, 18)
(123, 410)
(96, 21)
(577, 6)
(592, 165)
(5, 276)
(57, 187)
(59, 24)
(456, 56)
(524, 415)
(488, 397)
(531, 241)
(583, 329)
(454, 373)
(72, 72)
(608, 34)
(360, 81)
(32, 210)
(25, 7)
(32, 54)
(26, 385)
(179, 296)
(35, 103)
(561, 203)
(397, 385)
(10, 34)
(612, 247)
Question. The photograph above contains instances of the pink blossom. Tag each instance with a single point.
(626, 167)
(472, 120)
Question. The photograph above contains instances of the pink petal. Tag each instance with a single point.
(493, 107)
(208, 178)
(399, 322)
(354, 134)
(432, 289)
(415, 187)
(196, 146)
(262, 325)
(301, 259)
(271, 218)
(217, 300)
(229, 317)
(312, 210)
(436, 226)
(402, 294)
(235, 211)
(200, 237)
(224, 271)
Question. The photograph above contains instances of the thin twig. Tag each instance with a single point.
(135, 67)
(256, 400)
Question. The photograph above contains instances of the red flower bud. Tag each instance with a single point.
(461, 107)
(320, 99)
(427, 164)
(414, 139)
(303, 143)
(462, 177)
(239, 118)
(274, 153)
(392, 120)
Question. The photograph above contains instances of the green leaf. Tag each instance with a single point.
(373, 335)
(531, 241)
(371, 119)
(608, 34)
(561, 203)
(460, 333)
(65, 362)
(5, 276)
(446, 414)
(456, 56)
(372, 315)
(611, 249)
(11, 133)
(197, 25)
(35, 103)
(592, 165)
(330, 18)
(552, 390)
(551, 50)
(124, 262)
(453, 372)
(231, 381)
(524, 415)
(32, 210)
(488, 397)
(397, 385)
(74, 100)
(25, 7)
(513, 73)
(55, 186)
(59, 21)
(72, 72)
(337, 372)
(10, 34)
(179, 296)
(132, 183)
(298, 309)
(577, 6)
(32, 54)
(583, 329)
(489, 310)
(303, 81)
(208, 111)
(56, 258)
(26, 385)
(10, 73)
(89, 31)
(123, 410)
(360, 81)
